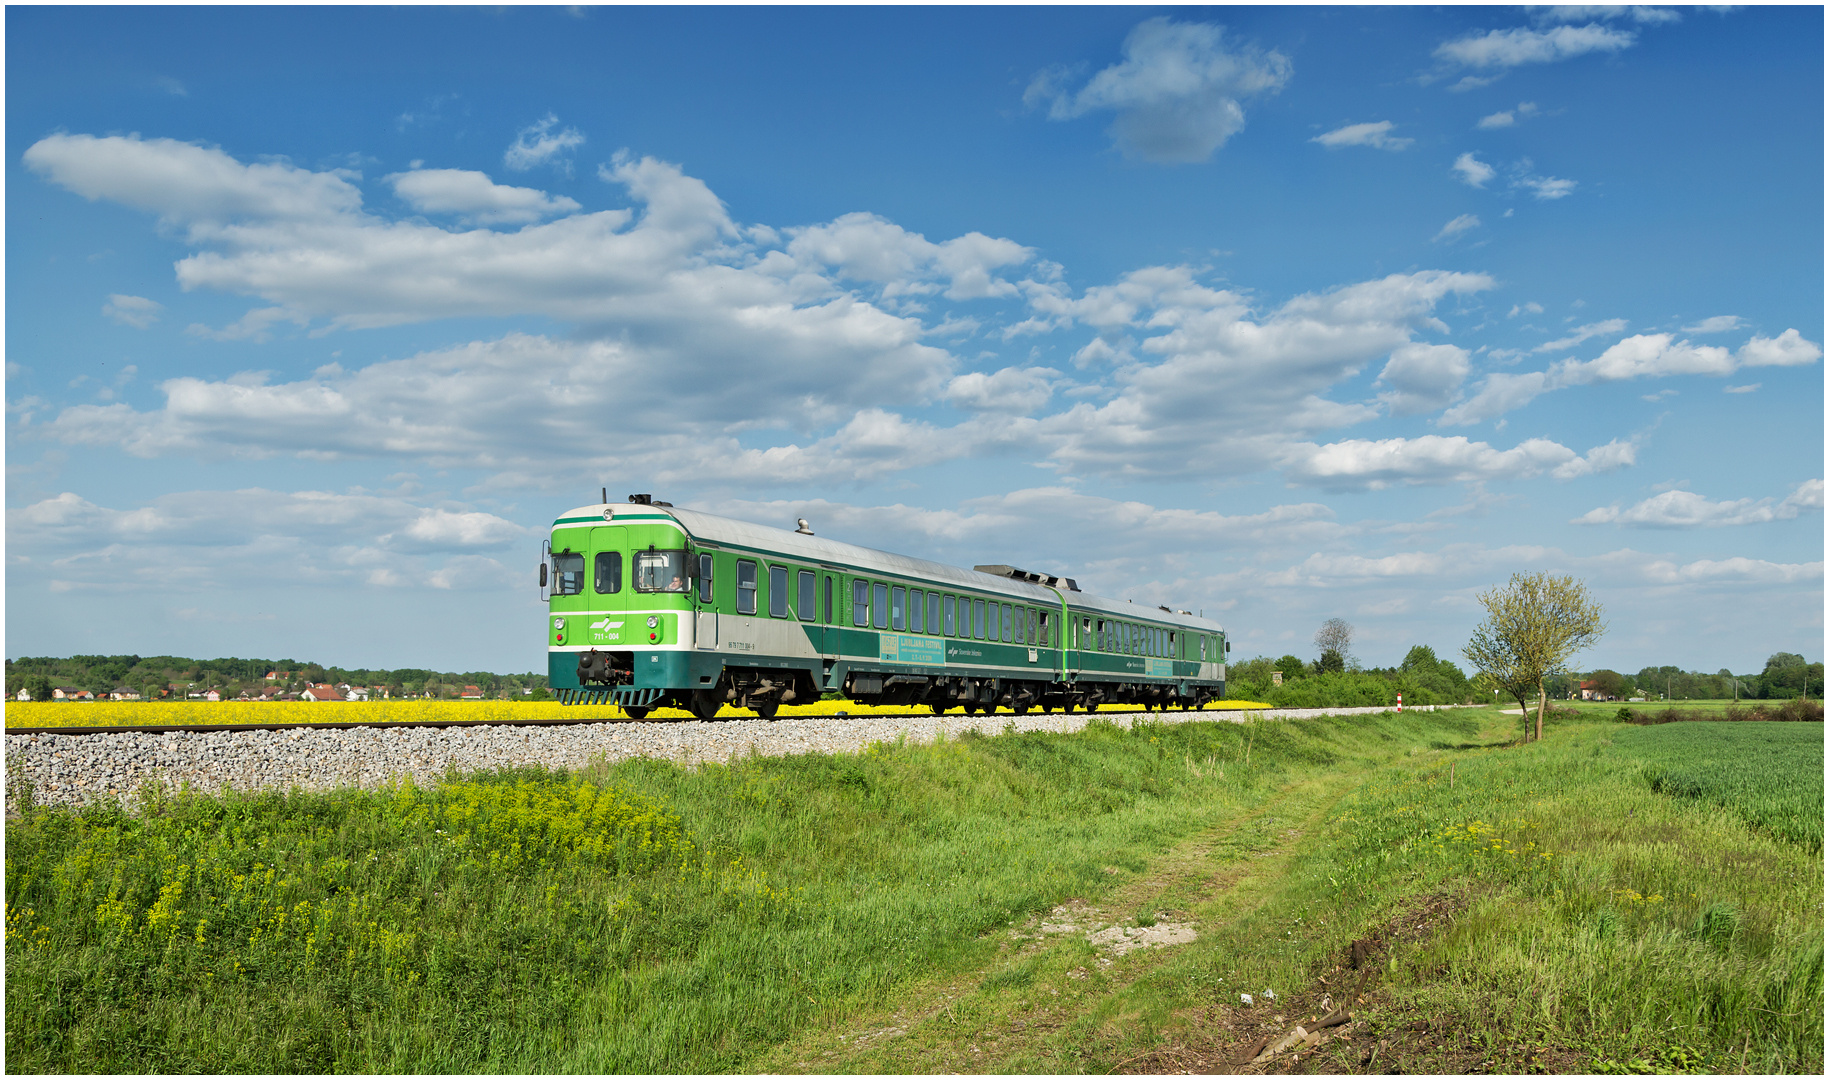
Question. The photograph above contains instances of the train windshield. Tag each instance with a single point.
(568, 574)
(660, 571)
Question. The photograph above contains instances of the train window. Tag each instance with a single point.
(607, 578)
(706, 563)
(1009, 624)
(828, 599)
(950, 624)
(746, 587)
(978, 619)
(898, 608)
(933, 613)
(1203, 649)
(917, 611)
(860, 603)
(660, 571)
(805, 609)
(1044, 631)
(777, 592)
(1033, 631)
(568, 574)
(879, 605)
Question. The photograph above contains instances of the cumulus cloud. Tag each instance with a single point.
(538, 144)
(1508, 118)
(134, 311)
(1177, 92)
(207, 539)
(1456, 227)
(1011, 391)
(1376, 464)
(1582, 13)
(1503, 49)
(1472, 171)
(1376, 135)
(1640, 356)
(868, 248)
(1422, 378)
(1688, 510)
(474, 197)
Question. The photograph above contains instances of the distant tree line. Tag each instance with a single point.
(1785, 675)
(154, 676)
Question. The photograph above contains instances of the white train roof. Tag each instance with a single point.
(818, 549)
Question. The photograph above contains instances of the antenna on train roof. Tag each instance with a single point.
(804, 527)
(606, 495)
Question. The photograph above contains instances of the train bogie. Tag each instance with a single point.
(651, 606)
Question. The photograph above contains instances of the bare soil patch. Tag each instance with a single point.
(1344, 1022)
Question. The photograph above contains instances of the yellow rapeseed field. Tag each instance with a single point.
(25, 714)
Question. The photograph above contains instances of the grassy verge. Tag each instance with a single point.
(884, 911)
(646, 917)
(1543, 908)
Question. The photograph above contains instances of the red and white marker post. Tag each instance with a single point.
(1400, 703)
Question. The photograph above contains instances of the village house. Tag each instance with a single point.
(471, 693)
(71, 693)
(24, 694)
(322, 692)
(124, 693)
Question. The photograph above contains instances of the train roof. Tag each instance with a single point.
(765, 538)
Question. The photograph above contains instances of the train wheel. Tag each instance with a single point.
(766, 709)
(937, 706)
(705, 704)
(636, 712)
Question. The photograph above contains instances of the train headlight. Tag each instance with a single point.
(653, 621)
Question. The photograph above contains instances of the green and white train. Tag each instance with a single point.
(655, 606)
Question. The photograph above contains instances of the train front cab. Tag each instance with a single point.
(619, 621)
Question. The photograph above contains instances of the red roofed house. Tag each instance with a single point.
(471, 693)
(321, 692)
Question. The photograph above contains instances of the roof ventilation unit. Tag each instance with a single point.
(1001, 570)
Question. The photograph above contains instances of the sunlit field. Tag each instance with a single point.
(29, 714)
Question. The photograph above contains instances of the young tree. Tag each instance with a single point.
(1336, 636)
(1534, 625)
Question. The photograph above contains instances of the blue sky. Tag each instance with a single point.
(317, 317)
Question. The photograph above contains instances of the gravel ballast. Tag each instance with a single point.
(77, 769)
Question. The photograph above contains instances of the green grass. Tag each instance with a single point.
(1770, 774)
(645, 917)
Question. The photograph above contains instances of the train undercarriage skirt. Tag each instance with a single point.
(623, 696)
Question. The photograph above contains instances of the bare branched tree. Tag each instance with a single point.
(1335, 636)
(1534, 625)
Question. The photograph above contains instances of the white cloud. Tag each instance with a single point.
(1640, 356)
(539, 144)
(1177, 92)
(1511, 48)
(187, 184)
(1747, 389)
(1012, 391)
(1571, 13)
(1688, 510)
(1531, 306)
(1456, 227)
(475, 197)
(1545, 187)
(1583, 333)
(1375, 135)
(1472, 171)
(1422, 378)
(1376, 464)
(1718, 324)
(134, 311)
(204, 540)
(256, 325)
(865, 247)
(1508, 118)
